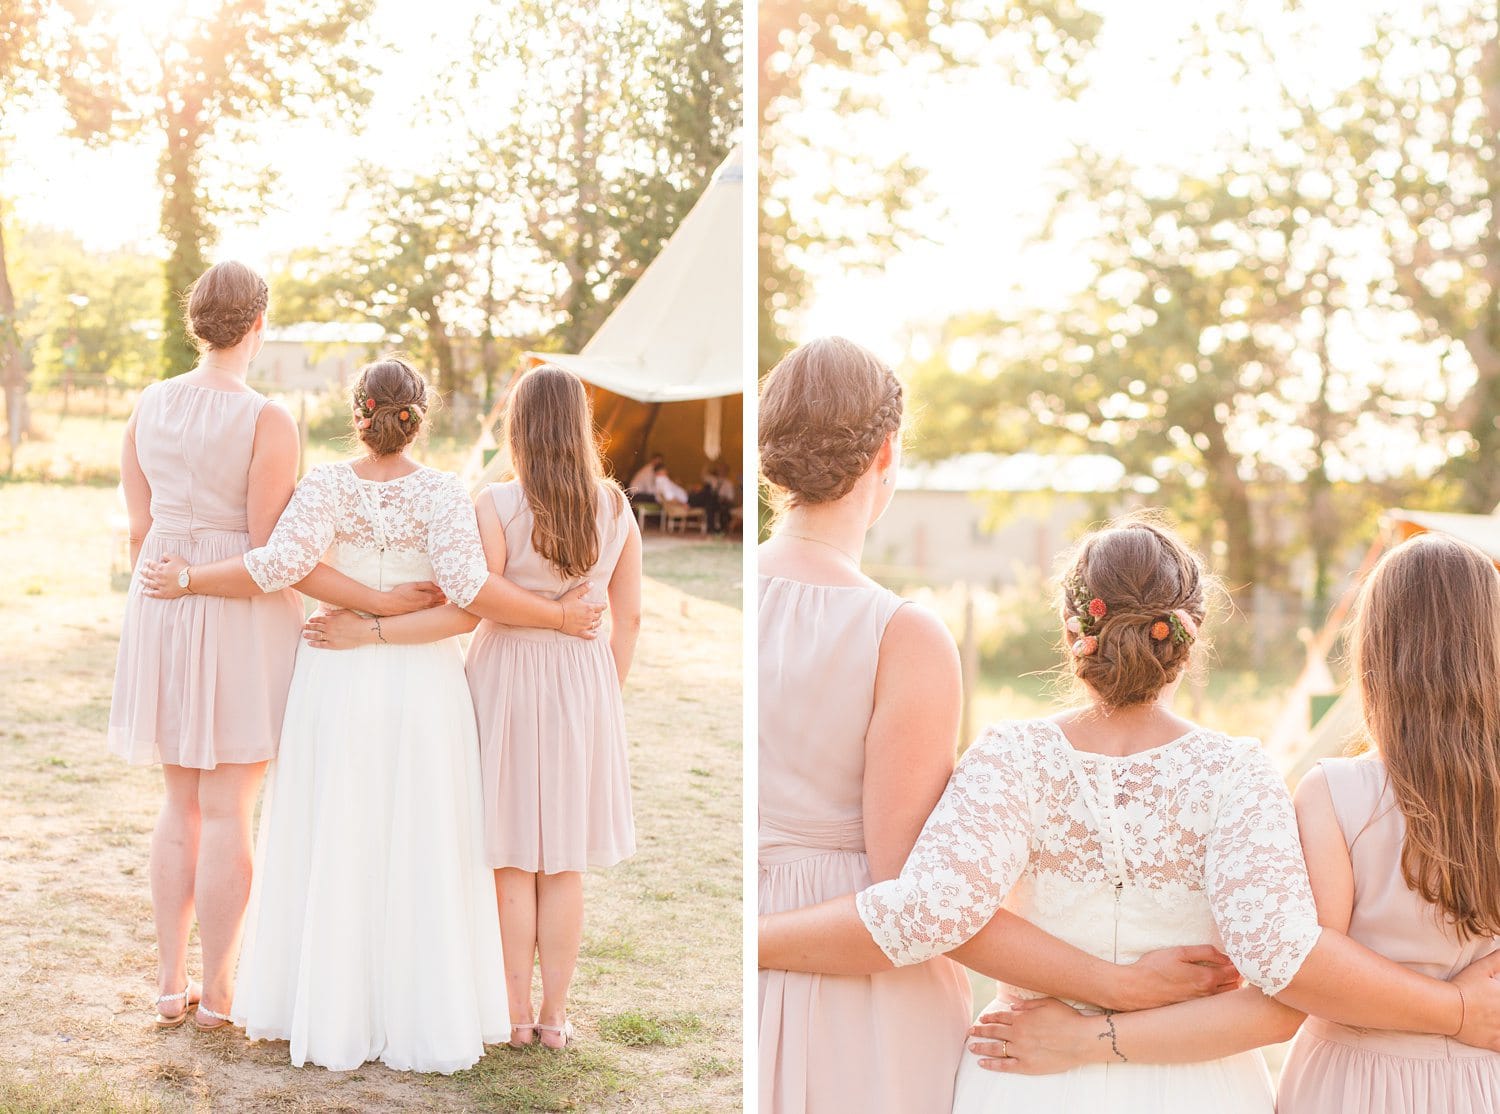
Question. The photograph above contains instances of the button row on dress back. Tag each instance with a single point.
(1111, 838)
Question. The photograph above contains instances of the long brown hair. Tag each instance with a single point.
(1426, 655)
(550, 428)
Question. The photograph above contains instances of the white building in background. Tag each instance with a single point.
(947, 522)
(316, 356)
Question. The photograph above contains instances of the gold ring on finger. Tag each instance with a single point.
(1004, 1049)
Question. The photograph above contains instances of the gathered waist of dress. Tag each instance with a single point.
(540, 634)
(191, 528)
(1409, 1046)
(785, 839)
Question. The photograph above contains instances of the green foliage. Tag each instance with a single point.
(1224, 349)
(59, 53)
(535, 226)
(244, 62)
(84, 316)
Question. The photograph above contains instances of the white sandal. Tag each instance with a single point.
(567, 1031)
(220, 1019)
(165, 1022)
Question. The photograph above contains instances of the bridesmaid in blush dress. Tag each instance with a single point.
(1425, 891)
(859, 703)
(201, 683)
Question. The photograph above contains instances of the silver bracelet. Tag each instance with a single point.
(1114, 1044)
(380, 634)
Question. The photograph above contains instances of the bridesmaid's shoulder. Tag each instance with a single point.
(916, 623)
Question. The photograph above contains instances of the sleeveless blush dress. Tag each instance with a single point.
(554, 764)
(888, 1043)
(200, 680)
(1337, 1067)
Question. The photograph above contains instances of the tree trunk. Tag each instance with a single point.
(1232, 498)
(12, 368)
(186, 229)
(1481, 480)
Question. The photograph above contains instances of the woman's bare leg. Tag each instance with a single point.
(174, 858)
(515, 891)
(226, 801)
(559, 935)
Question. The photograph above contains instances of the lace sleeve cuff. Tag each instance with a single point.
(1297, 944)
(261, 567)
(884, 927)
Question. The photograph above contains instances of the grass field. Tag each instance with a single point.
(657, 998)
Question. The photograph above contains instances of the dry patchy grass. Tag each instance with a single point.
(77, 971)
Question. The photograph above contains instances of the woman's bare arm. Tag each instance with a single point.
(137, 492)
(625, 603)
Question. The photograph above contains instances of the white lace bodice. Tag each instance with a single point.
(1188, 843)
(382, 533)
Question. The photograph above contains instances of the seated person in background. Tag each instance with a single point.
(709, 496)
(667, 491)
(643, 483)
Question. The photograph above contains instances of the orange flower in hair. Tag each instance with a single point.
(1160, 629)
(1097, 608)
(405, 415)
(1085, 646)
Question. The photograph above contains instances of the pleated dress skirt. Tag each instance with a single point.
(554, 765)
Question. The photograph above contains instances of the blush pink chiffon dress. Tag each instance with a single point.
(200, 680)
(880, 1044)
(1337, 1067)
(554, 765)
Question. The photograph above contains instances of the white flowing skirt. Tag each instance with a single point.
(372, 932)
(1237, 1084)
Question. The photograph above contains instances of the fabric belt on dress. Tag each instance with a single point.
(787, 839)
(195, 530)
(1410, 1046)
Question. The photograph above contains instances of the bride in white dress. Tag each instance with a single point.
(373, 931)
(1121, 828)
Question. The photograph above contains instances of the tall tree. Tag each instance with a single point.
(217, 73)
(1420, 130)
(1221, 349)
(628, 112)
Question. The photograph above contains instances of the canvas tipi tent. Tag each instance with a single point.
(665, 370)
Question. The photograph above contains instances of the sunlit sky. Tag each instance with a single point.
(987, 148)
(56, 181)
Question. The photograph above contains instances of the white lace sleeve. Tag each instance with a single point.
(971, 851)
(303, 534)
(453, 544)
(1256, 877)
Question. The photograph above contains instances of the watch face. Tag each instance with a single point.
(182, 579)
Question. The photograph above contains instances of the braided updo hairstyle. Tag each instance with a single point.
(390, 401)
(222, 304)
(1142, 572)
(825, 410)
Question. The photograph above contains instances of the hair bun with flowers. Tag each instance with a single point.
(1179, 626)
(1090, 610)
